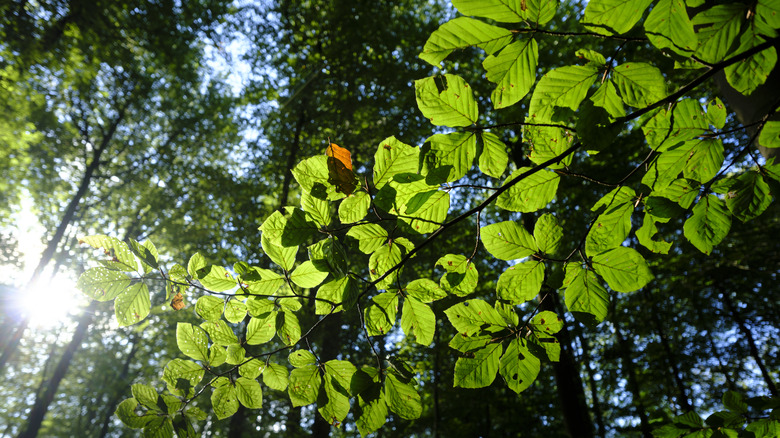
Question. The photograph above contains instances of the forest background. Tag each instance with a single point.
(181, 124)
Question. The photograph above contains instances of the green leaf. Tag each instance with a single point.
(282, 256)
(224, 399)
(341, 371)
(209, 307)
(304, 385)
(521, 282)
(420, 205)
(425, 290)
(454, 106)
(748, 196)
(735, 402)
(709, 223)
(307, 275)
(215, 278)
(126, 411)
(667, 166)
(479, 370)
(563, 87)
(146, 395)
(380, 314)
(262, 282)
(313, 177)
(493, 157)
(336, 408)
(645, 235)
(181, 376)
(717, 29)
(585, 297)
(548, 234)
(746, 76)
(354, 207)
(249, 393)
(235, 311)
(768, 12)
(513, 70)
(102, 284)
(394, 157)
(302, 358)
(606, 97)
(624, 269)
(261, 328)
(507, 240)
(418, 320)
(591, 55)
(197, 261)
(608, 17)
(289, 229)
(318, 210)
(251, 369)
(716, 113)
(668, 27)
(371, 411)
(450, 155)
(472, 316)
(159, 427)
(460, 33)
(147, 252)
(329, 255)
(342, 292)
(461, 277)
(369, 236)
(704, 160)
(689, 122)
(610, 229)
(546, 143)
(132, 305)
(402, 398)
(770, 135)
(114, 248)
(235, 354)
(639, 84)
(217, 355)
(530, 194)
(220, 333)
(518, 366)
(505, 11)
(381, 261)
(289, 330)
(546, 322)
(467, 344)
(275, 376)
(539, 11)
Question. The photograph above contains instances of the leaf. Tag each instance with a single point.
(329, 255)
(461, 277)
(539, 11)
(381, 261)
(454, 106)
(209, 307)
(472, 316)
(546, 143)
(610, 229)
(689, 122)
(667, 166)
(354, 207)
(421, 206)
(532, 193)
(197, 261)
(624, 269)
(340, 169)
(146, 252)
(304, 385)
(282, 256)
(217, 355)
(307, 275)
(251, 369)
(177, 303)
(181, 375)
(114, 248)
(747, 75)
(716, 113)
(450, 156)
(159, 427)
(262, 282)
(645, 234)
(275, 377)
(394, 157)
(341, 292)
(261, 328)
(249, 393)
(606, 97)
(717, 29)
(770, 135)
(460, 33)
(518, 366)
(505, 11)
(608, 17)
(585, 297)
(289, 330)
(748, 196)
(380, 314)
(563, 87)
(317, 210)
(668, 27)
(313, 175)
(132, 305)
(480, 370)
(704, 160)
(235, 311)
(235, 354)
(340, 371)
(215, 278)
(289, 229)
(418, 320)
(336, 408)
(709, 223)
(465, 344)
(513, 70)
(224, 399)
(507, 240)
(220, 333)
(402, 398)
(493, 158)
(548, 234)
(521, 282)
(145, 395)
(425, 290)
(546, 322)
(640, 84)
(126, 411)
(102, 284)
(302, 358)
(369, 236)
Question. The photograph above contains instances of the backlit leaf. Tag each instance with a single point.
(460, 33)
(354, 207)
(102, 284)
(518, 366)
(224, 399)
(624, 269)
(668, 27)
(709, 223)
(521, 282)
(472, 316)
(393, 157)
(402, 398)
(461, 277)
(585, 297)
(132, 305)
(534, 192)
(493, 159)
(418, 320)
(249, 393)
(608, 17)
(513, 70)
(639, 83)
(548, 234)
(454, 106)
(479, 370)
(563, 87)
(340, 169)
(507, 240)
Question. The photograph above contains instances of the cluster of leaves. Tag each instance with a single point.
(574, 113)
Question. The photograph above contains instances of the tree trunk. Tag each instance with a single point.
(633, 384)
(42, 403)
(571, 395)
(592, 385)
(51, 247)
(293, 156)
(121, 380)
(671, 361)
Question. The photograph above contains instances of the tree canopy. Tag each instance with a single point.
(503, 217)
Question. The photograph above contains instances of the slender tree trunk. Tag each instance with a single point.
(67, 217)
(42, 403)
(592, 385)
(633, 384)
(571, 395)
(671, 361)
(293, 155)
(754, 353)
(121, 380)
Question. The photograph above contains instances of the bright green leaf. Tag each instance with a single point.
(479, 369)
(507, 240)
(668, 27)
(461, 277)
(548, 234)
(472, 316)
(380, 314)
(532, 193)
(513, 70)
(304, 385)
(402, 398)
(608, 17)
(460, 33)
(624, 269)
(518, 366)
(454, 106)
(563, 87)
(224, 399)
(261, 328)
(249, 393)
(521, 282)
(585, 297)
(132, 305)
(354, 207)
(418, 320)
(103, 284)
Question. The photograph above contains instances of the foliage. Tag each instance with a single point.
(348, 248)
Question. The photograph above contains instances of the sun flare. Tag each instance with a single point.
(49, 305)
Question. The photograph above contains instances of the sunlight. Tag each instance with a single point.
(50, 305)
